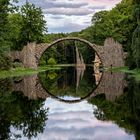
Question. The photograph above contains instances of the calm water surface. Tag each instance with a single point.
(73, 103)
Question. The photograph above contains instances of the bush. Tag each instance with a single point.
(51, 61)
(5, 62)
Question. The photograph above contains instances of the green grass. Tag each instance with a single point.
(19, 71)
(135, 72)
(15, 72)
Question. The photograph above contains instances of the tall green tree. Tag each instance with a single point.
(97, 17)
(4, 42)
(136, 36)
(33, 25)
(15, 22)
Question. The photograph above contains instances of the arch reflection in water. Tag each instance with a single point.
(70, 84)
(111, 84)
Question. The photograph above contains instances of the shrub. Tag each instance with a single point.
(51, 61)
(5, 62)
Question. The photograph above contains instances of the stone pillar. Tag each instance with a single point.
(112, 85)
(15, 55)
(113, 54)
(28, 56)
(30, 87)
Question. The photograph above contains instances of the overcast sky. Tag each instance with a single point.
(76, 122)
(70, 15)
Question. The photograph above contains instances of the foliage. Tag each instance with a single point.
(65, 52)
(15, 22)
(51, 61)
(97, 17)
(134, 73)
(52, 75)
(19, 112)
(18, 27)
(117, 23)
(25, 25)
(63, 82)
(4, 42)
(124, 111)
(19, 71)
(33, 25)
(48, 38)
(135, 47)
(5, 62)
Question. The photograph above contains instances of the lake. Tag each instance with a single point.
(71, 103)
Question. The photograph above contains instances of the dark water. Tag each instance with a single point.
(72, 103)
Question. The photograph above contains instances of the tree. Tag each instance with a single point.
(126, 108)
(4, 42)
(15, 22)
(136, 38)
(97, 17)
(33, 25)
(117, 23)
(19, 112)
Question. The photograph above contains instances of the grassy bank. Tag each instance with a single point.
(135, 73)
(19, 71)
(15, 72)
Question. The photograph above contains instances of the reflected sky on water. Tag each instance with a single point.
(77, 122)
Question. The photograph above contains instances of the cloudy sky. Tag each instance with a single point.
(77, 122)
(70, 15)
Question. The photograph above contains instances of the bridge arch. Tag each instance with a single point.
(44, 47)
(111, 53)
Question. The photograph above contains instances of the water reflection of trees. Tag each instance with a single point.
(19, 112)
(125, 110)
(63, 82)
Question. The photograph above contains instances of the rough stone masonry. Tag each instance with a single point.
(111, 54)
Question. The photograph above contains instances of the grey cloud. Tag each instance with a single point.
(54, 4)
(68, 12)
(57, 17)
(88, 133)
(38, 3)
(97, 7)
(60, 8)
(87, 22)
(58, 128)
(68, 121)
(65, 5)
(67, 28)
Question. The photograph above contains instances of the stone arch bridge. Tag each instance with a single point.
(111, 54)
